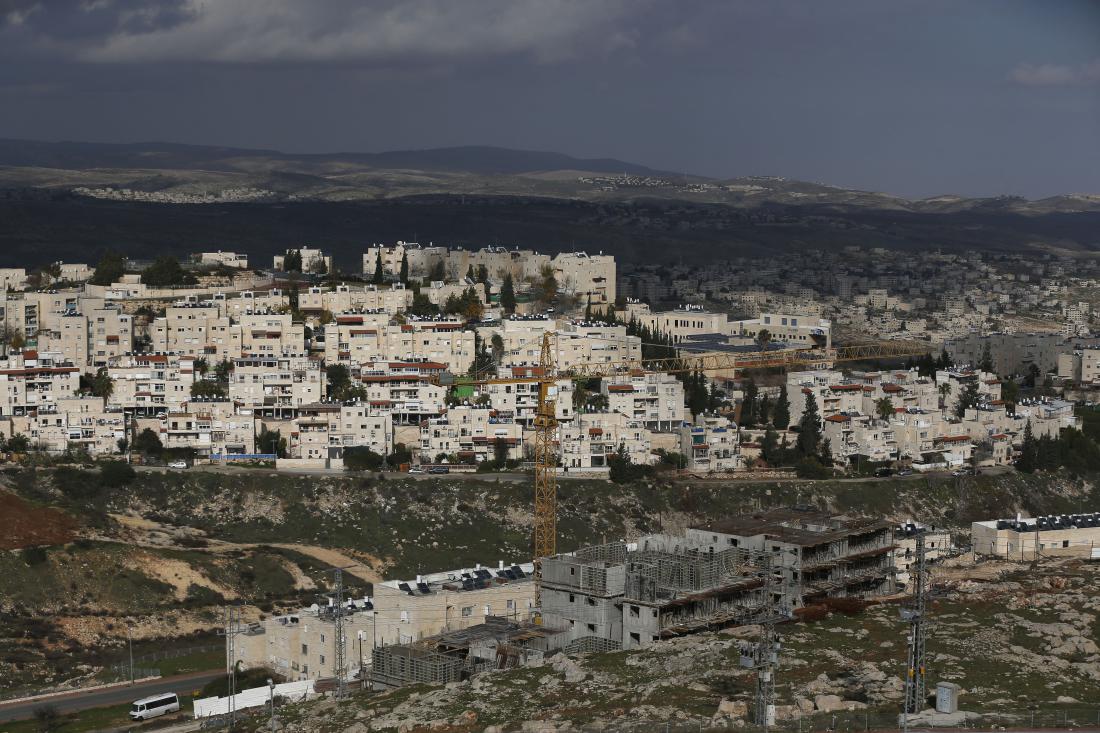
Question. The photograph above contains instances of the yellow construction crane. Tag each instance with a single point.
(547, 376)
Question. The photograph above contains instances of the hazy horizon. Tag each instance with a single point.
(910, 98)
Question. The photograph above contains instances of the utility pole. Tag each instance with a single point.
(232, 629)
(130, 643)
(914, 614)
(766, 655)
(338, 611)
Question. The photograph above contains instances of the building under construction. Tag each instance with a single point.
(713, 576)
(627, 596)
(822, 554)
(454, 655)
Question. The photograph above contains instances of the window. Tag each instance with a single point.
(592, 628)
(591, 601)
(305, 649)
(467, 610)
(322, 659)
(636, 638)
(634, 612)
(511, 604)
(322, 638)
(572, 598)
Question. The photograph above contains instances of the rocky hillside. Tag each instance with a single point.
(82, 561)
(1009, 636)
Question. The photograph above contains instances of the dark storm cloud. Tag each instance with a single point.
(916, 97)
(257, 31)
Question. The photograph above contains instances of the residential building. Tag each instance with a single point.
(1030, 539)
(470, 435)
(710, 444)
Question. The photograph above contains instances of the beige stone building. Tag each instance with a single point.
(302, 645)
(470, 434)
(72, 422)
(321, 431)
(591, 439)
(441, 341)
(710, 444)
(276, 385)
(1028, 539)
(150, 384)
(31, 381)
(211, 427)
(591, 278)
(226, 259)
(654, 398)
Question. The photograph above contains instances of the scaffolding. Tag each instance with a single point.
(394, 666)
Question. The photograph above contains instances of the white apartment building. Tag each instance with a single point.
(210, 427)
(592, 439)
(654, 398)
(13, 278)
(520, 400)
(199, 329)
(150, 384)
(408, 390)
(470, 434)
(72, 422)
(422, 260)
(591, 278)
(796, 330)
(270, 333)
(711, 445)
(343, 299)
(443, 341)
(225, 259)
(574, 344)
(32, 381)
(321, 431)
(276, 385)
(301, 645)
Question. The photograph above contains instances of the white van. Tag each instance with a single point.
(151, 707)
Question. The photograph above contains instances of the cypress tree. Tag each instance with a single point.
(809, 428)
(781, 413)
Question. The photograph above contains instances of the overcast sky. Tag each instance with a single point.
(973, 97)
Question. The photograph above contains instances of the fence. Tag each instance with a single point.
(121, 672)
(178, 652)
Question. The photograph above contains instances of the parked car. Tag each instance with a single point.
(416, 469)
(177, 464)
(956, 474)
(905, 472)
(884, 472)
(439, 469)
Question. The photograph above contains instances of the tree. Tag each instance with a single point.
(944, 361)
(748, 404)
(401, 454)
(379, 275)
(500, 451)
(508, 295)
(884, 408)
(763, 410)
(985, 361)
(18, 443)
(1010, 393)
(497, 344)
(318, 265)
(111, 268)
(1033, 373)
(207, 389)
(102, 384)
(472, 307)
(201, 366)
(483, 363)
(1028, 451)
(781, 413)
(483, 275)
(338, 377)
(292, 261)
(48, 718)
(944, 390)
(763, 338)
(362, 458)
(548, 288)
(969, 398)
(271, 442)
(769, 447)
(223, 370)
(148, 443)
(165, 272)
(404, 274)
(438, 273)
(809, 428)
(422, 306)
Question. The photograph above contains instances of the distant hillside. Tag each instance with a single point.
(482, 160)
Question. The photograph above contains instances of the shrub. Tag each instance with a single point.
(34, 555)
(115, 474)
(361, 458)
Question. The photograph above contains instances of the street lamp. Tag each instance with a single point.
(130, 643)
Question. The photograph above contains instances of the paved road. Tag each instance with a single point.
(183, 685)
